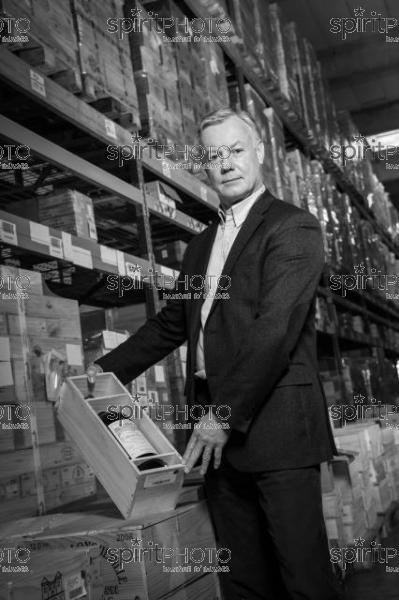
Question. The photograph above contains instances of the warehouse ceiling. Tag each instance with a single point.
(363, 68)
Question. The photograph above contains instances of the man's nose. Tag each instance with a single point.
(225, 166)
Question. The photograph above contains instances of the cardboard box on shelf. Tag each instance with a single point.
(104, 55)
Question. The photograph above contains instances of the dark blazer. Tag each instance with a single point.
(260, 344)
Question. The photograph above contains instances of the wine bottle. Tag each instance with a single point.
(91, 381)
(131, 439)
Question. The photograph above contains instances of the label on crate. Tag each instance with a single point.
(195, 225)
(110, 128)
(82, 257)
(166, 209)
(55, 247)
(37, 83)
(121, 262)
(74, 586)
(74, 354)
(39, 233)
(108, 255)
(159, 372)
(8, 232)
(159, 479)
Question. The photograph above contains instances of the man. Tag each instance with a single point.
(254, 354)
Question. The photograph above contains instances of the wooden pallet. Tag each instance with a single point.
(45, 60)
(116, 110)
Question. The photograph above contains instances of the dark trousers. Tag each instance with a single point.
(272, 522)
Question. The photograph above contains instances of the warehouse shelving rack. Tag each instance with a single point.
(73, 156)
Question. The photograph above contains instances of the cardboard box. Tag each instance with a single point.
(105, 55)
(154, 556)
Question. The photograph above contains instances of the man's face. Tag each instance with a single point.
(239, 175)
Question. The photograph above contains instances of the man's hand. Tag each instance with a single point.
(208, 437)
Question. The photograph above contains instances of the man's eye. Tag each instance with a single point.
(237, 150)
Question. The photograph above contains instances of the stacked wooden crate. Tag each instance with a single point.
(256, 107)
(64, 209)
(284, 58)
(104, 54)
(155, 75)
(258, 37)
(51, 45)
(39, 348)
(155, 558)
(279, 174)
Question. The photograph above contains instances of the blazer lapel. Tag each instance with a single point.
(251, 223)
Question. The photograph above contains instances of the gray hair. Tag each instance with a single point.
(221, 114)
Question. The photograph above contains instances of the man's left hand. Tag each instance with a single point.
(208, 437)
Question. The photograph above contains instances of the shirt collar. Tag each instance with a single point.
(238, 212)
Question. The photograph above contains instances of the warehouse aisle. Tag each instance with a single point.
(377, 583)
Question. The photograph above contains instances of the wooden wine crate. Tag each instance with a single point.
(136, 493)
(147, 559)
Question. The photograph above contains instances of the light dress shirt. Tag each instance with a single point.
(230, 224)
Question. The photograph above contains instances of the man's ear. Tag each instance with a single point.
(260, 151)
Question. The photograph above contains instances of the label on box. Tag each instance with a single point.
(121, 262)
(108, 255)
(110, 339)
(8, 232)
(110, 128)
(74, 354)
(37, 83)
(159, 479)
(39, 233)
(82, 257)
(159, 372)
(55, 247)
(74, 586)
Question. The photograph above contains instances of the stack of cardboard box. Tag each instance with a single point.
(285, 58)
(41, 344)
(101, 555)
(155, 75)
(104, 53)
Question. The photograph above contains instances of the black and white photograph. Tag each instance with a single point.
(199, 300)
